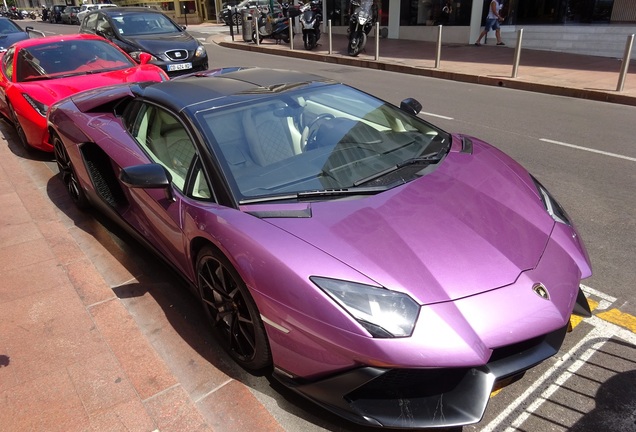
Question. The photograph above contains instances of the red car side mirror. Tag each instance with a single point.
(144, 58)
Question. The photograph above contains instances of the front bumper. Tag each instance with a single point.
(425, 398)
(198, 65)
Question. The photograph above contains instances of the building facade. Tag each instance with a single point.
(596, 27)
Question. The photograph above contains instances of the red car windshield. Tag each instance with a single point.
(69, 58)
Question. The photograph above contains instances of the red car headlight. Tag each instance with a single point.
(38, 106)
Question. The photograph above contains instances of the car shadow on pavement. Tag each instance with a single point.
(11, 137)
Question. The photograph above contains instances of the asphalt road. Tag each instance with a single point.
(583, 151)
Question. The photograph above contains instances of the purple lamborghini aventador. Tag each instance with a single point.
(387, 270)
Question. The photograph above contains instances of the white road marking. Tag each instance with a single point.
(588, 149)
(606, 300)
(436, 115)
(601, 333)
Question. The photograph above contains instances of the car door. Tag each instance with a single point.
(166, 141)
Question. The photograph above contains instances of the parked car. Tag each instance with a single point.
(140, 29)
(233, 13)
(69, 15)
(55, 13)
(35, 73)
(86, 8)
(371, 261)
(10, 33)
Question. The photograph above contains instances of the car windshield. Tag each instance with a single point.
(137, 24)
(325, 141)
(69, 58)
(8, 27)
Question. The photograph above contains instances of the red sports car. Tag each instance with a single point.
(35, 73)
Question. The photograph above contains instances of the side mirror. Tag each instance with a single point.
(144, 58)
(149, 176)
(411, 106)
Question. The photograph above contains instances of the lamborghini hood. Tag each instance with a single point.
(471, 226)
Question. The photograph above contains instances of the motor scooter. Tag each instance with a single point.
(270, 27)
(45, 14)
(311, 19)
(361, 22)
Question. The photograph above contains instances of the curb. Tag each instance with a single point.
(72, 355)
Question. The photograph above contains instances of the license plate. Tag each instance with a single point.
(179, 66)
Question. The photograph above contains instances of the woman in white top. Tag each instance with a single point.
(492, 22)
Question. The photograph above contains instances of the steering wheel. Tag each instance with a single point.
(308, 137)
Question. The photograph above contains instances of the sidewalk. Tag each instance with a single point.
(572, 75)
(72, 358)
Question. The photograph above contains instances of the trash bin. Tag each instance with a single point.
(249, 17)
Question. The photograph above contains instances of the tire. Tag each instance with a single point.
(68, 174)
(310, 41)
(254, 38)
(356, 45)
(237, 19)
(19, 130)
(231, 311)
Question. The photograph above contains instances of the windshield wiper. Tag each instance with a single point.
(416, 160)
(319, 193)
(36, 78)
(419, 159)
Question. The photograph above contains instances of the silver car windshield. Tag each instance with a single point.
(328, 138)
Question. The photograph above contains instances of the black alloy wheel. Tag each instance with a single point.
(19, 130)
(235, 319)
(68, 175)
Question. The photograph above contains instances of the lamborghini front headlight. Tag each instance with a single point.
(382, 312)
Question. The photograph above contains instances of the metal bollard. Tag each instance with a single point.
(515, 66)
(377, 40)
(291, 34)
(438, 56)
(330, 41)
(258, 38)
(625, 65)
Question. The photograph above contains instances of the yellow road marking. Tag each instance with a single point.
(576, 320)
(619, 318)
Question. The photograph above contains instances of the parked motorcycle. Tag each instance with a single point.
(14, 13)
(311, 19)
(270, 27)
(45, 14)
(362, 20)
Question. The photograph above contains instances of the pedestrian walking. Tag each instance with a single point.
(492, 22)
(444, 16)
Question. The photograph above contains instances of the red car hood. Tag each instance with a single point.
(471, 226)
(53, 90)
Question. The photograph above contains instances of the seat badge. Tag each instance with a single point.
(540, 290)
